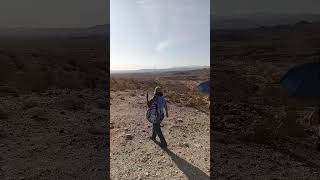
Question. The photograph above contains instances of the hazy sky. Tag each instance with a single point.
(230, 7)
(159, 33)
(53, 13)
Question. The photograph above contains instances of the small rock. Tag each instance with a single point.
(145, 159)
(197, 145)
(147, 174)
(129, 137)
(184, 144)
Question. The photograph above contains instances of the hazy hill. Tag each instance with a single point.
(186, 68)
(99, 30)
(90, 37)
(299, 31)
(256, 20)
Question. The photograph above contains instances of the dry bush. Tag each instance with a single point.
(3, 114)
(179, 90)
(29, 104)
(36, 112)
(197, 100)
(124, 84)
(183, 93)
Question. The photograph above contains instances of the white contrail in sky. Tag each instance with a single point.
(162, 45)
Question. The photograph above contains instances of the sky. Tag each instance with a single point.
(234, 7)
(154, 34)
(53, 13)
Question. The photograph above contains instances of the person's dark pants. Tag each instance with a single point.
(156, 130)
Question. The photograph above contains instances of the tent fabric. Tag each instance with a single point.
(204, 87)
(303, 80)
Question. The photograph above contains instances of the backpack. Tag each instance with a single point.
(153, 115)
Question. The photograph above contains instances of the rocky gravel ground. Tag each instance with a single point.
(135, 156)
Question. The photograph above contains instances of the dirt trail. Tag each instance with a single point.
(135, 156)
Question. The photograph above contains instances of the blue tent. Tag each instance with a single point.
(204, 87)
(303, 80)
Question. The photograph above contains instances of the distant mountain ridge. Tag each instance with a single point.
(98, 30)
(296, 31)
(256, 20)
(185, 68)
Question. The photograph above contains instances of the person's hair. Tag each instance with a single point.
(159, 94)
(158, 91)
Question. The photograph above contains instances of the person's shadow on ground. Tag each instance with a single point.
(188, 169)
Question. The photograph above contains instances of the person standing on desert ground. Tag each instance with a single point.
(158, 102)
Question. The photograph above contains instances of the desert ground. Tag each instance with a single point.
(259, 132)
(187, 130)
(53, 110)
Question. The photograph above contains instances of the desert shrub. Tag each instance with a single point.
(197, 100)
(3, 114)
(29, 104)
(36, 112)
(180, 91)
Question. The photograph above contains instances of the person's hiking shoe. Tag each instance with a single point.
(153, 138)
